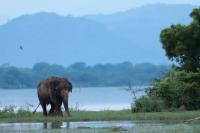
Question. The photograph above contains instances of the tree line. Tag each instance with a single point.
(81, 74)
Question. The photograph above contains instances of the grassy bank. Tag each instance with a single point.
(101, 116)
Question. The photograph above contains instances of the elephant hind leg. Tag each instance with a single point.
(44, 108)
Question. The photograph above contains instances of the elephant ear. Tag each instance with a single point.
(69, 86)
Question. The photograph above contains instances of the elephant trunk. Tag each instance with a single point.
(65, 101)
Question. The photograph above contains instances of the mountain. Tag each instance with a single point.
(125, 36)
(142, 26)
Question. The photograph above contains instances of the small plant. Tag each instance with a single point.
(9, 109)
(75, 108)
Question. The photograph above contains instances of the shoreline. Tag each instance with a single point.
(81, 116)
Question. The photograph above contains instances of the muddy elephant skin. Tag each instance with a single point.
(54, 91)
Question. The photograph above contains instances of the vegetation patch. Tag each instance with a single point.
(106, 115)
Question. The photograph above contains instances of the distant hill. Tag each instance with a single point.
(125, 36)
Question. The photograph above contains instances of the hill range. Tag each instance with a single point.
(132, 36)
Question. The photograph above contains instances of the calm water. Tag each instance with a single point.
(92, 98)
(99, 127)
(66, 125)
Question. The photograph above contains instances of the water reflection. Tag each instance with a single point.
(64, 125)
(45, 125)
(56, 125)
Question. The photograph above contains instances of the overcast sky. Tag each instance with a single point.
(13, 8)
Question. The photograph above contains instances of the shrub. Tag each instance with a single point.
(147, 104)
(178, 89)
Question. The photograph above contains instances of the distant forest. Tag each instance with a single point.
(82, 75)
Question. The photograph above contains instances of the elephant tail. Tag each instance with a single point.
(36, 109)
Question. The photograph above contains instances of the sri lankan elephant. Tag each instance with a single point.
(54, 91)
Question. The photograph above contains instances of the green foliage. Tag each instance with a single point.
(182, 42)
(178, 89)
(81, 75)
(147, 104)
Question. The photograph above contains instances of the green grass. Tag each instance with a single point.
(100, 116)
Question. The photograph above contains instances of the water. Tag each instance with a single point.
(99, 127)
(92, 98)
(66, 125)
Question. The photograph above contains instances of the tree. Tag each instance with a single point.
(182, 43)
(179, 88)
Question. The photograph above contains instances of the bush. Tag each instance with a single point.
(147, 104)
(178, 89)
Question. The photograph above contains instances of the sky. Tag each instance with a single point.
(10, 9)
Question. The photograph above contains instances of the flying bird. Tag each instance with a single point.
(20, 47)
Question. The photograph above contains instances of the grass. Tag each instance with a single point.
(10, 117)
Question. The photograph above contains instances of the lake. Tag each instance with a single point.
(90, 98)
(99, 127)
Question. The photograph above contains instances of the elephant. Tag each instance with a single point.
(54, 91)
